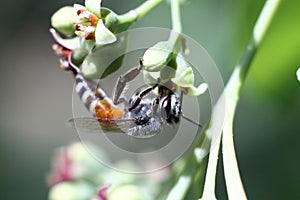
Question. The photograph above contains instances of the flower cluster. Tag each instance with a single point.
(98, 47)
(76, 175)
(83, 33)
(166, 61)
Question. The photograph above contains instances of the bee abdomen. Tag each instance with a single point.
(85, 93)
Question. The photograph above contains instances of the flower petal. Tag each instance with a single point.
(184, 79)
(104, 35)
(71, 43)
(94, 6)
(76, 8)
(196, 91)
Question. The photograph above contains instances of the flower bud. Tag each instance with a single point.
(156, 57)
(184, 73)
(71, 191)
(131, 192)
(61, 20)
(185, 78)
(82, 51)
(102, 193)
(73, 163)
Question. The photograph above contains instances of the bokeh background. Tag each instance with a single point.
(36, 95)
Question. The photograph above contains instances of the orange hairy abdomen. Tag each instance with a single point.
(105, 109)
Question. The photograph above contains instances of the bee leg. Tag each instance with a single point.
(123, 81)
(156, 104)
(134, 102)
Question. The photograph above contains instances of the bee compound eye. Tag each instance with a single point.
(171, 109)
(164, 108)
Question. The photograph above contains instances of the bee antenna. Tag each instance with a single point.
(192, 121)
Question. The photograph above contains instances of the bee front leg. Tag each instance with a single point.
(118, 96)
(135, 101)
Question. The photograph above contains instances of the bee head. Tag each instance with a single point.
(171, 109)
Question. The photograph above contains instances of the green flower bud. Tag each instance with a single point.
(169, 70)
(165, 74)
(120, 178)
(186, 79)
(74, 163)
(105, 60)
(156, 57)
(150, 78)
(110, 19)
(61, 20)
(80, 53)
(71, 191)
(83, 164)
(131, 192)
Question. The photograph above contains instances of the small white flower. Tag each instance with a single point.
(85, 22)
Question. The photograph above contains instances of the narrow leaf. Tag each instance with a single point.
(234, 185)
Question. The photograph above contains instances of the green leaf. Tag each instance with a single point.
(179, 190)
(105, 60)
(104, 35)
(278, 58)
(234, 185)
(61, 20)
(94, 6)
(79, 54)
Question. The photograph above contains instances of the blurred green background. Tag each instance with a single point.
(36, 94)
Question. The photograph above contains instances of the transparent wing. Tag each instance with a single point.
(94, 125)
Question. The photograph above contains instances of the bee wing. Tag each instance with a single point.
(94, 125)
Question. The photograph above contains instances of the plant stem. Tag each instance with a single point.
(175, 37)
(138, 12)
(234, 184)
(176, 17)
(196, 159)
(146, 7)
